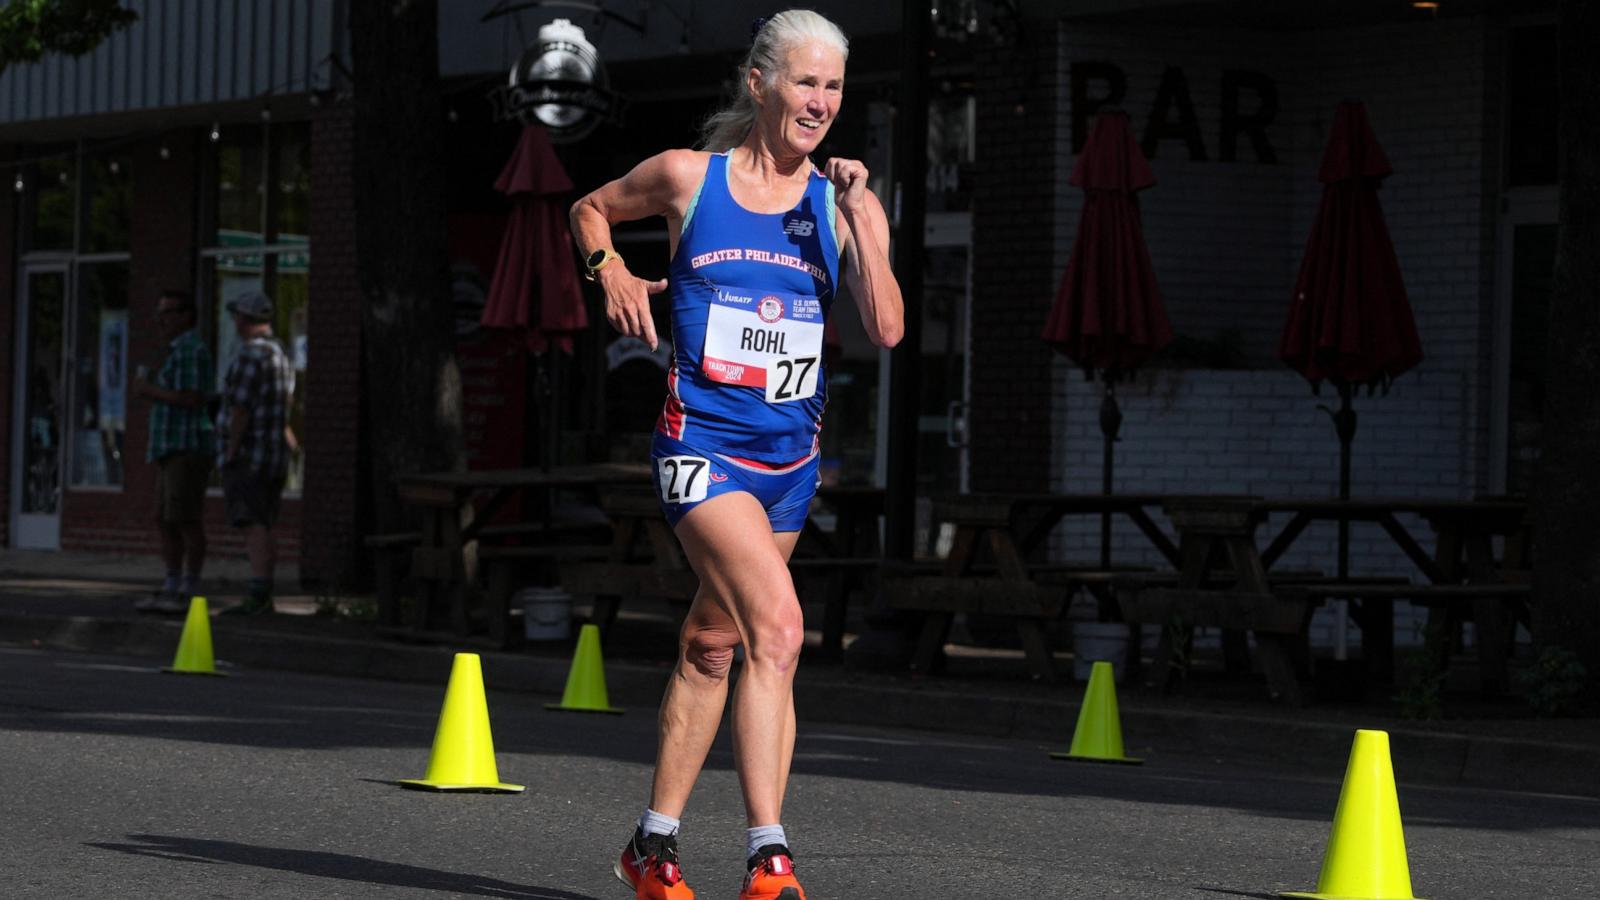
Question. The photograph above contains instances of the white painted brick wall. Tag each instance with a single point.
(1226, 241)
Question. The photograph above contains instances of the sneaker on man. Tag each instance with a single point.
(771, 876)
(649, 865)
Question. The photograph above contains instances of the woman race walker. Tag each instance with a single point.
(760, 236)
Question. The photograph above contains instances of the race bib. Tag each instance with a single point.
(682, 479)
(764, 340)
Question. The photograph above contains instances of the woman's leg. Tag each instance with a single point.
(698, 689)
(692, 708)
(743, 566)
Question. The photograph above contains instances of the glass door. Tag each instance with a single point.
(36, 478)
(1528, 233)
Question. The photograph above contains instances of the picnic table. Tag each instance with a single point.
(1460, 571)
(443, 555)
(1010, 527)
(1462, 574)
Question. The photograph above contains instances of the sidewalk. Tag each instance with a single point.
(82, 602)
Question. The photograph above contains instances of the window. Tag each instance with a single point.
(100, 374)
(53, 187)
(108, 215)
(77, 213)
(258, 208)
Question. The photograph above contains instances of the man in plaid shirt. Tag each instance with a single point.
(182, 442)
(256, 440)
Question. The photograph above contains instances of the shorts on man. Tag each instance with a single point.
(252, 497)
(181, 487)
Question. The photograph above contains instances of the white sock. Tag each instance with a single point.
(762, 835)
(653, 822)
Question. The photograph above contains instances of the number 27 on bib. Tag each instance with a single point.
(767, 341)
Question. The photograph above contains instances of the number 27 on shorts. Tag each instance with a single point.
(682, 479)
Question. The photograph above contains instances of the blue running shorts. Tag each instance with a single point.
(687, 476)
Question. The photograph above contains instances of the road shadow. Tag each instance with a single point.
(1226, 892)
(330, 865)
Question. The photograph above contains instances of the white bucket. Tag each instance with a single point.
(546, 613)
(1096, 641)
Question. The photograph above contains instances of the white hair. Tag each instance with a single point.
(728, 127)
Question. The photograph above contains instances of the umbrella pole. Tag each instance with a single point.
(1344, 424)
(1110, 424)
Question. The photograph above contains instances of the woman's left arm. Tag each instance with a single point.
(865, 247)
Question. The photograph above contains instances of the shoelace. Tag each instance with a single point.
(765, 855)
(661, 851)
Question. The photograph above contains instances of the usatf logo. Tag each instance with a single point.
(771, 309)
(800, 227)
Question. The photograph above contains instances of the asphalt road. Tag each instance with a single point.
(118, 781)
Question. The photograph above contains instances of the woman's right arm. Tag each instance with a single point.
(660, 186)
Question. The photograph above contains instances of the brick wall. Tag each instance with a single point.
(331, 550)
(1226, 238)
(1014, 253)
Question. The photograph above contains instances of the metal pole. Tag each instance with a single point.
(911, 166)
(1110, 425)
(1344, 425)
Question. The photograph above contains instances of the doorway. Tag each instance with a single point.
(1527, 246)
(41, 385)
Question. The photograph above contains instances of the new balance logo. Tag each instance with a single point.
(800, 227)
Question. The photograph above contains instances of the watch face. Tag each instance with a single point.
(596, 258)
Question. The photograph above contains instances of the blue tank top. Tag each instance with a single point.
(750, 298)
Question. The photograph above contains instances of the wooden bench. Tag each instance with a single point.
(1028, 604)
(1279, 624)
(1494, 606)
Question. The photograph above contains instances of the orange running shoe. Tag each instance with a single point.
(649, 865)
(772, 876)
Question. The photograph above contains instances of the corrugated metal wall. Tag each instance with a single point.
(182, 53)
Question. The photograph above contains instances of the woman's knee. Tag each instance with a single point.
(709, 651)
(776, 641)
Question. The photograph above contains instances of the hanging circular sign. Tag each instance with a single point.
(558, 83)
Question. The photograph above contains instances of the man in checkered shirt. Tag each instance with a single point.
(182, 445)
(256, 440)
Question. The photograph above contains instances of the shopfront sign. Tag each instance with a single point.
(1247, 109)
(558, 83)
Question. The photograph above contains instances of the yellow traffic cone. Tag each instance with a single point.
(1366, 856)
(463, 748)
(586, 680)
(194, 645)
(1098, 737)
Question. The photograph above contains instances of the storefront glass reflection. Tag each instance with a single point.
(100, 375)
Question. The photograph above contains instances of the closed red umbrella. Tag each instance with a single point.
(1350, 322)
(1108, 316)
(535, 283)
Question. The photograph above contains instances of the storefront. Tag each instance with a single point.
(151, 164)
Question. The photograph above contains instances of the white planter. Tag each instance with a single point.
(1096, 641)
